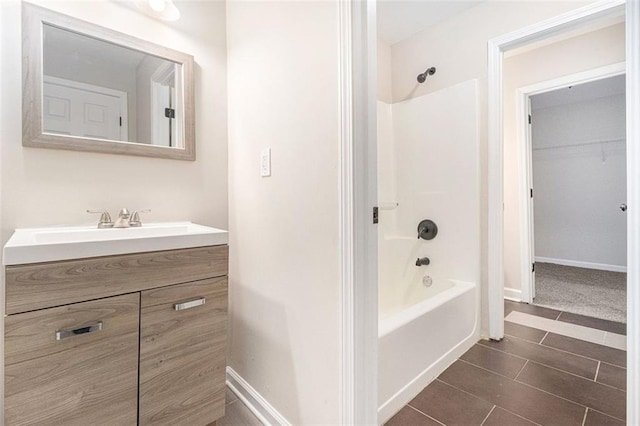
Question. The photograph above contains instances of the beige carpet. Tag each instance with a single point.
(590, 292)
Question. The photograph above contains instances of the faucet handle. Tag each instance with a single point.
(135, 217)
(105, 218)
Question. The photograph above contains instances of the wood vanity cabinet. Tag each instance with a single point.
(182, 353)
(117, 340)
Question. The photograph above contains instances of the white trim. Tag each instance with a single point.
(514, 294)
(260, 407)
(495, 225)
(573, 79)
(496, 48)
(525, 174)
(633, 213)
(525, 162)
(347, 338)
(358, 236)
(581, 264)
(166, 75)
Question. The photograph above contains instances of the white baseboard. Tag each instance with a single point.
(259, 406)
(407, 393)
(513, 294)
(579, 264)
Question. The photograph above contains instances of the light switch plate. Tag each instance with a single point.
(265, 162)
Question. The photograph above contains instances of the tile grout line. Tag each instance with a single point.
(518, 415)
(556, 349)
(521, 383)
(560, 314)
(498, 350)
(537, 362)
(525, 364)
(531, 386)
(482, 399)
(595, 379)
(485, 369)
(584, 419)
(605, 414)
(524, 383)
(599, 340)
(566, 399)
(544, 337)
(575, 375)
(467, 392)
(583, 356)
(488, 414)
(424, 414)
(613, 365)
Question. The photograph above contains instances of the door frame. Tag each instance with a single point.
(525, 161)
(164, 76)
(358, 235)
(495, 267)
(496, 48)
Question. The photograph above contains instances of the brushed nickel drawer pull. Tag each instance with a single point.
(82, 330)
(190, 304)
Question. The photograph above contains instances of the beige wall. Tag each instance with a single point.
(458, 48)
(50, 187)
(581, 53)
(284, 253)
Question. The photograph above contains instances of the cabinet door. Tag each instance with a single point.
(182, 353)
(74, 364)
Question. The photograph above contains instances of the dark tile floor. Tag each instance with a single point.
(530, 377)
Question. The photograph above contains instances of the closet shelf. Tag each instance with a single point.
(595, 142)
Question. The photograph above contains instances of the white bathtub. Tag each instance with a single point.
(420, 340)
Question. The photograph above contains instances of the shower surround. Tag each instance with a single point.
(428, 164)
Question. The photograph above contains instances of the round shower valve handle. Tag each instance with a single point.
(427, 229)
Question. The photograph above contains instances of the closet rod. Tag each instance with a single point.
(598, 142)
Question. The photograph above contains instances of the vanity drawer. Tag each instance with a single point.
(44, 285)
(68, 364)
(183, 353)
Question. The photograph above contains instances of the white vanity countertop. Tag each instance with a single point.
(35, 245)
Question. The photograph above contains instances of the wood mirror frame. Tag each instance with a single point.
(33, 20)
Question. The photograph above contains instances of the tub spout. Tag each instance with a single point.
(422, 261)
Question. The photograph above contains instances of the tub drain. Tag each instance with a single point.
(427, 281)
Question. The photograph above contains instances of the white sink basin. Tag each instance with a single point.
(35, 245)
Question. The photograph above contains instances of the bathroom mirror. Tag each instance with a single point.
(89, 88)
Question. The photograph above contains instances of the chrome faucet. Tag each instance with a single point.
(105, 218)
(123, 219)
(134, 220)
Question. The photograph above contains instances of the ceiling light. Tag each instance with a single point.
(157, 5)
(160, 9)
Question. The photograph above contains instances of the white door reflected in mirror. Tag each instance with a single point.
(97, 89)
(77, 109)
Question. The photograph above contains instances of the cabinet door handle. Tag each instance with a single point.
(190, 304)
(63, 334)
